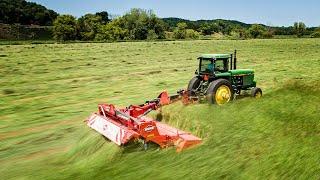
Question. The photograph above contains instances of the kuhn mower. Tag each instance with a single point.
(217, 80)
(130, 123)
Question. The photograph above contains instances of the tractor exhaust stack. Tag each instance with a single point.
(235, 60)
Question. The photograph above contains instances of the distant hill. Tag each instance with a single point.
(172, 22)
(25, 13)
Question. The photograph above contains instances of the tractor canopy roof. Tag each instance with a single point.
(215, 56)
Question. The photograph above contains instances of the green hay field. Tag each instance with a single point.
(48, 90)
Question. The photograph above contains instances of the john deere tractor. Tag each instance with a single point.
(219, 80)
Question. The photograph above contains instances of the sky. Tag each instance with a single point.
(268, 12)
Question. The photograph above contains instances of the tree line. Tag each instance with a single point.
(139, 24)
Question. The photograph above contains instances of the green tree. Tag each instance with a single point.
(88, 26)
(157, 25)
(224, 27)
(192, 34)
(205, 29)
(139, 22)
(316, 33)
(26, 13)
(112, 31)
(268, 33)
(243, 33)
(152, 35)
(104, 16)
(180, 31)
(208, 28)
(299, 29)
(256, 30)
(65, 28)
(136, 22)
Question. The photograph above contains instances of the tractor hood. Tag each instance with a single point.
(242, 71)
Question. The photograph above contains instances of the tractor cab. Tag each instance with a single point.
(210, 64)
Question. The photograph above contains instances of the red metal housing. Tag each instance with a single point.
(123, 125)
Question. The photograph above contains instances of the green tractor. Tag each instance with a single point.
(219, 80)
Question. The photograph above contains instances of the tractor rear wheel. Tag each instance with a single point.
(220, 92)
(194, 83)
(256, 92)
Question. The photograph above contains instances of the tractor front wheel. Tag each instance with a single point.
(256, 92)
(220, 92)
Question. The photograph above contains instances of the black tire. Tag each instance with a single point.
(213, 87)
(256, 92)
(193, 84)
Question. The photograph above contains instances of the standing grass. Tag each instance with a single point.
(47, 90)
